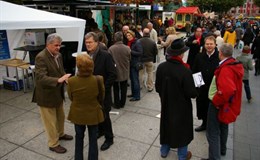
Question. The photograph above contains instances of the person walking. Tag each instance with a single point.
(103, 65)
(175, 86)
(50, 78)
(225, 91)
(122, 57)
(248, 66)
(86, 93)
(148, 58)
(206, 63)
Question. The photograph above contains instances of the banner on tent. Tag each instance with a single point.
(4, 48)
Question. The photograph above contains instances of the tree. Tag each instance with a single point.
(257, 2)
(217, 5)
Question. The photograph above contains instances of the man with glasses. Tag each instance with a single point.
(103, 65)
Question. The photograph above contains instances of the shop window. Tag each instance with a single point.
(179, 17)
(188, 17)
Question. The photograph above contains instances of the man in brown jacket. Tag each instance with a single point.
(49, 92)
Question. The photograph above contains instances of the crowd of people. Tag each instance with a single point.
(122, 60)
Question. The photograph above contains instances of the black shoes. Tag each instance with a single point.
(134, 99)
(200, 128)
(106, 145)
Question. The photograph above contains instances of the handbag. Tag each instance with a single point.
(139, 66)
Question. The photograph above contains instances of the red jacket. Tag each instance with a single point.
(229, 77)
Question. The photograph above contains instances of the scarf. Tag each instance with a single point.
(198, 39)
(177, 58)
(129, 43)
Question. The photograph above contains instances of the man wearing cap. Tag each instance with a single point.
(175, 86)
(247, 64)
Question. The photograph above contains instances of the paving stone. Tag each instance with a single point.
(21, 129)
(24, 102)
(24, 154)
(8, 112)
(6, 147)
(39, 144)
(149, 101)
(137, 127)
(242, 151)
(122, 149)
(8, 94)
(255, 152)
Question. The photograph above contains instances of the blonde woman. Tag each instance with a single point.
(86, 93)
(171, 32)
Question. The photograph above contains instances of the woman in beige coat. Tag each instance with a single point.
(170, 38)
(86, 93)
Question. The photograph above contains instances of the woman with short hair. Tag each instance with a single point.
(86, 93)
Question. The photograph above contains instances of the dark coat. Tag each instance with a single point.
(136, 52)
(256, 48)
(149, 49)
(194, 49)
(206, 66)
(175, 86)
(104, 65)
(48, 92)
(248, 36)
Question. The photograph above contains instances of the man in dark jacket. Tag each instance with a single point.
(256, 51)
(149, 53)
(175, 86)
(206, 63)
(103, 65)
(195, 43)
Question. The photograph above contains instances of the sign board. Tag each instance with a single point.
(4, 47)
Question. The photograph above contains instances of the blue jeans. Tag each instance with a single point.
(79, 142)
(182, 151)
(217, 134)
(135, 85)
(247, 89)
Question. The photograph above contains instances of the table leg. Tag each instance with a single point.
(17, 78)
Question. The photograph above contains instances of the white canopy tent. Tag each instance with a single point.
(15, 19)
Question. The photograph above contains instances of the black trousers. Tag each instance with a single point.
(106, 127)
(120, 91)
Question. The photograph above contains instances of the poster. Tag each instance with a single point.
(4, 48)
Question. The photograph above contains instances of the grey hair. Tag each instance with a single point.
(226, 49)
(118, 36)
(52, 37)
(92, 34)
(149, 23)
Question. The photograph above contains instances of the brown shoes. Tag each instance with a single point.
(66, 137)
(58, 149)
(189, 155)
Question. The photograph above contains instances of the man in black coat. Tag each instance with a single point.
(103, 65)
(175, 86)
(195, 43)
(206, 63)
(256, 51)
